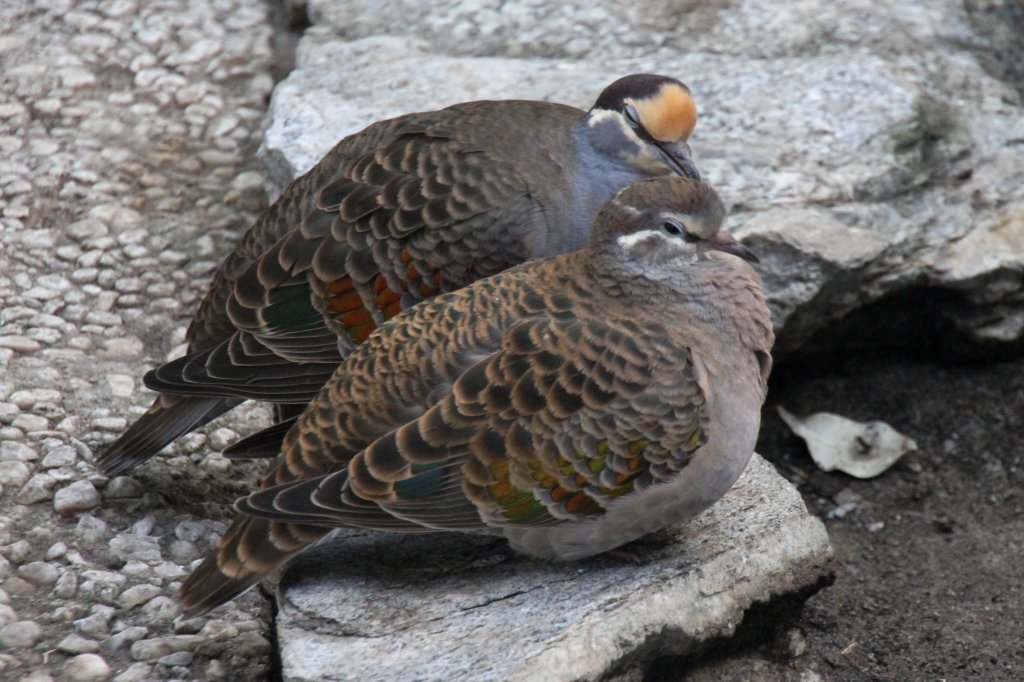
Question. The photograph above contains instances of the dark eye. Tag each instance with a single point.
(630, 111)
(673, 228)
(676, 229)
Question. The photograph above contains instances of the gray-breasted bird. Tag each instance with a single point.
(570, 405)
(408, 208)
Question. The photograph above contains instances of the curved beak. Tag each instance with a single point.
(723, 241)
(677, 157)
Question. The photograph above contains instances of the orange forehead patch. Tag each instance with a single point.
(668, 116)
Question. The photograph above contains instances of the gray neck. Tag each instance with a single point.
(600, 174)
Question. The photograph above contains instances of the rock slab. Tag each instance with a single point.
(868, 152)
(449, 606)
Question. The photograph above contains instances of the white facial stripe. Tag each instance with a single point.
(601, 115)
(630, 240)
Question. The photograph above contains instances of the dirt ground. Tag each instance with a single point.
(930, 555)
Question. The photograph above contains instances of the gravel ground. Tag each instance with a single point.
(127, 138)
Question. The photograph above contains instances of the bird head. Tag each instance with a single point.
(645, 120)
(667, 218)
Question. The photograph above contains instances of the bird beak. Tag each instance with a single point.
(677, 156)
(723, 241)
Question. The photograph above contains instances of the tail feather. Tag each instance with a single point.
(250, 549)
(262, 444)
(167, 418)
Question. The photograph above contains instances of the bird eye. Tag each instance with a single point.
(673, 228)
(631, 113)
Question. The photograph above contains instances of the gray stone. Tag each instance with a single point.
(91, 528)
(161, 609)
(66, 586)
(137, 594)
(847, 199)
(38, 489)
(136, 672)
(86, 668)
(131, 546)
(62, 456)
(175, 659)
(122, 487)
(124, 640)
(17, 452)
(37, 676)
(39, 572)
(98, 622)
(21, 634)
(378, 605)
(76, 644)
(158, 647)
(182, 552)
(14, 473)
(77, 497)
(18, 551)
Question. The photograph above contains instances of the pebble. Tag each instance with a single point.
(158, 647)
(37, 676)
(39, 572)
(77, 497)
(136, 568)
(20, 634)
(97, 624)
(62, 456)
(13, 451)
(182, 551)
(7, 615)
(103, 585)
(160, 610)
(222, 438)
(123, 640)
(18, 551)
(27, 398)
(30, 422)
(215, 670)
(145, 525)
(168, 570)
(19, 586)
(136, 672)
(90, 528)
(14, 473)
(177, 658)
(250, 644)
(76, 644)
(121, 385)
(131, 546)
(137, 594)
(19, 344)
(123, 487)
(38, 489)
(115, 424)
(67, 585)
(86, 668)
(190, 530)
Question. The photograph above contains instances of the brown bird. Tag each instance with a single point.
(570, 405)
(407, 208)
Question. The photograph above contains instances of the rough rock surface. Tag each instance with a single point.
(866, 150)
(374, 606)
(127, 135)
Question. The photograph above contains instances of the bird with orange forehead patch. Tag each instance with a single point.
(648, 119)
